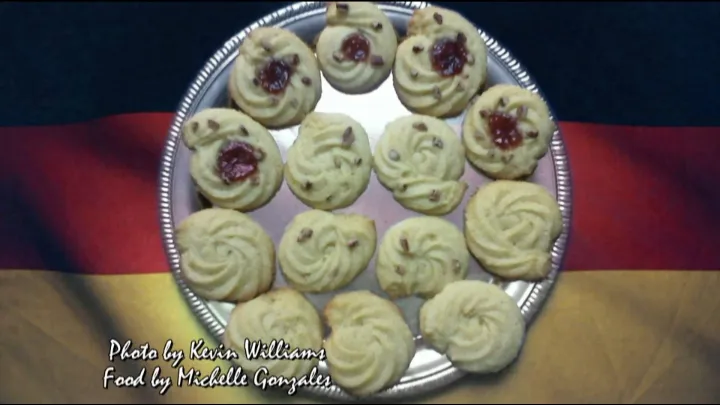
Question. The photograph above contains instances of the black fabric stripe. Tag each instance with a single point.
(646, 63)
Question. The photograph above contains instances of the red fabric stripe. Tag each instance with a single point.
(643, 196)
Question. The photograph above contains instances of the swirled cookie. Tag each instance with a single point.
(225, 255)
(421, 159)
(275, 78)
(441, 64)
(321, 251)
(356, 50)
(510, 227)
(283, 316)
(329, 164)
(419, 256)
(370, 345)
(476, 324)
(236, 162)
(506, 131)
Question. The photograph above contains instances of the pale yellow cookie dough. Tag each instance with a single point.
(370, 346)
(283, 316)
(419, 256)
(356, 50)
(275, 78)
(488, 144)
(510, 227)
(329, 164)
(421, 159)
(445, 92)
(214, 130)
(476, 324)
(321, 251)
(225, 255)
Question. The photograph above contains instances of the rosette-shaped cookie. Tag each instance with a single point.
(441, 64)
(357, 48)
(283, 316)
(476, 324)
(225, 255)
(419, 256)
(510, 227)
(329, 164)
(370, 346)
(321, 251)
(235, 162)
(506, 131)
(275, 78)
(421, 159)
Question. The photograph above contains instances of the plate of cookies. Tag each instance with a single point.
(380, 183)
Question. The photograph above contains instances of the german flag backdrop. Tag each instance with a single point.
(87, 95)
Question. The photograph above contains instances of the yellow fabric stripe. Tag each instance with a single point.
(604, 337)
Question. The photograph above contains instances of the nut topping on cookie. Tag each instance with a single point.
(348, 137)
(521, 112)
(294, 59)
(437, 93)
(353, 243)
(377, 26)
(259, 154)
(244, 131)
(456, 266)
(434, 196)
(377, 60)
(405, 245)
(194, 126)
(419, 126)
(437, 142)
(438, 18)
(418, 48)
(305, 234)
(306, 81)
(213, 125)
(394, 155)
(400, 270)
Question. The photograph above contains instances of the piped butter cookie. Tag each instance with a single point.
(356, 50)
(235, 161)
(275, 78)
(441, 64)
